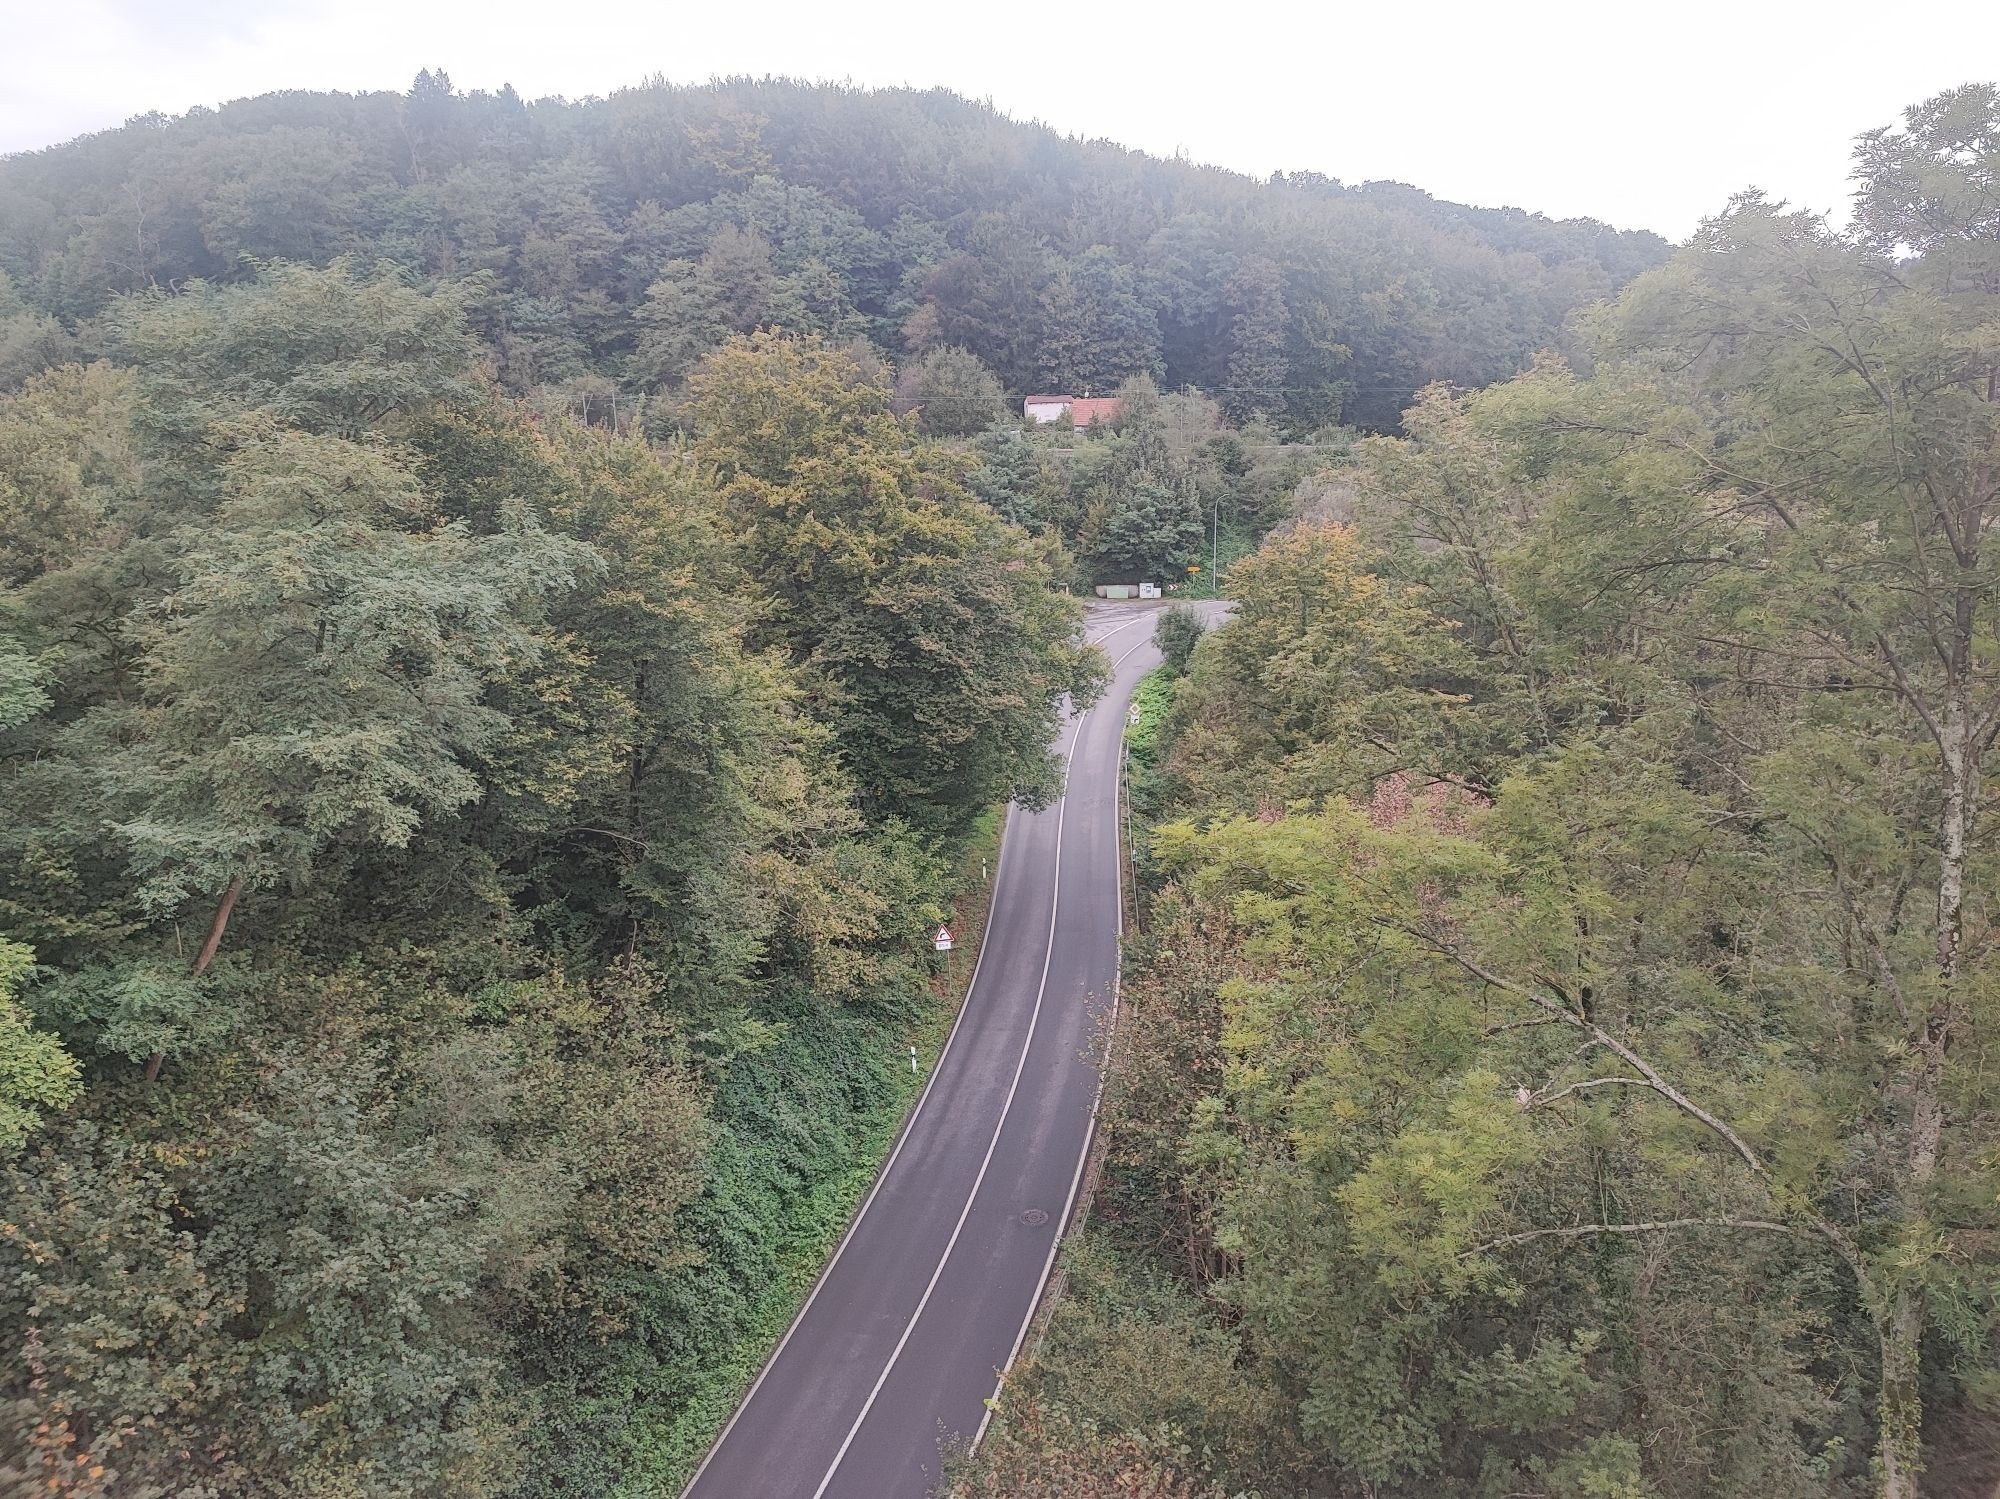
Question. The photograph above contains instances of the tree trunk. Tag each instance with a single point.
(207, 954)
(203, 958)
(1900, 1405)
(1900, 1323)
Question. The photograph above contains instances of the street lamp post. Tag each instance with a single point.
(1215, 546)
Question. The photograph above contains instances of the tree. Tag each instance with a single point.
(1150, 531)
(109, 1296)
(313, 675)
(681, 319)
(1579, 864)
(67, 461)
(951, 392)
(1177, 632)
(316, 678)
(30, 341)
(1258, 372)
(1006, 480)
(939, 650)
(660, 774)
(326, 350)
(1094, 329)
(1143, 518)
(1871, 491)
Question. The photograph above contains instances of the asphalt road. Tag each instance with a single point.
(926, 1300)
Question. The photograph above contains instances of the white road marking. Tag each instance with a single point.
(1136, 619)
(1013, 1086)
(1089, 1134)
(909, 1126)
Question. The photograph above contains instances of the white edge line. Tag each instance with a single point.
(1090, 1134)
(992, 1144)
(902, 1135)
(881, 1174)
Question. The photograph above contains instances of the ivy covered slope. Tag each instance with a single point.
(1557, 1060)
(608, 244)
(465, 878)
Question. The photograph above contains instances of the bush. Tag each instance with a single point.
(1177, 632)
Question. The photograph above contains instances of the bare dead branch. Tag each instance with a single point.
(1545, 1098)
(1579, 1230)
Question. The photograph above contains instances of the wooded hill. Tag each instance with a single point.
(608, 244)
(515, 620)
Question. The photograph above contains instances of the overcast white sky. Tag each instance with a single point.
(1646, 115)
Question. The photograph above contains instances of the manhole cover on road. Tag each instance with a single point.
(1034, 1217)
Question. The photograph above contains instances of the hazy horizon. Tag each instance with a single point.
(1571, 113)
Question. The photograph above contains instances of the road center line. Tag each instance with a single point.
(1013, 1087)
(1096, 1103)
(881, 1176)
(909, 1126)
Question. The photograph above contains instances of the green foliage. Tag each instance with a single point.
(930, 630)
(477, 860)
(799, 1125)
(616, 241)
(1177, 632)
(331, 351)
(316, 677)
(37, 1076)
(365, 1362)
(1006, 478)
(1148, 533)
(22, 680)
(136, 1010)
(1329, 678)
(951, 393)
(1093, 326)
(472, 970)
(66, 462)
(1037, 1454)
(1552, 1063)
(30, 341)
(112, 1297)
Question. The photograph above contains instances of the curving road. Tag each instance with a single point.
(926, 1300)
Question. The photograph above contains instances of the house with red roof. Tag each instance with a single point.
(1082, 410)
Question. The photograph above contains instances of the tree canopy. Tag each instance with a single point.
(605, 246)
(451, 854)
(1552, 1061)
(516, 621)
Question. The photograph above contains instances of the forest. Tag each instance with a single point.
(518, 617)
(1556, 1050)
(607, 245)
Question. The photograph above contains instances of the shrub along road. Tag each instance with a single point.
(924, 1303)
